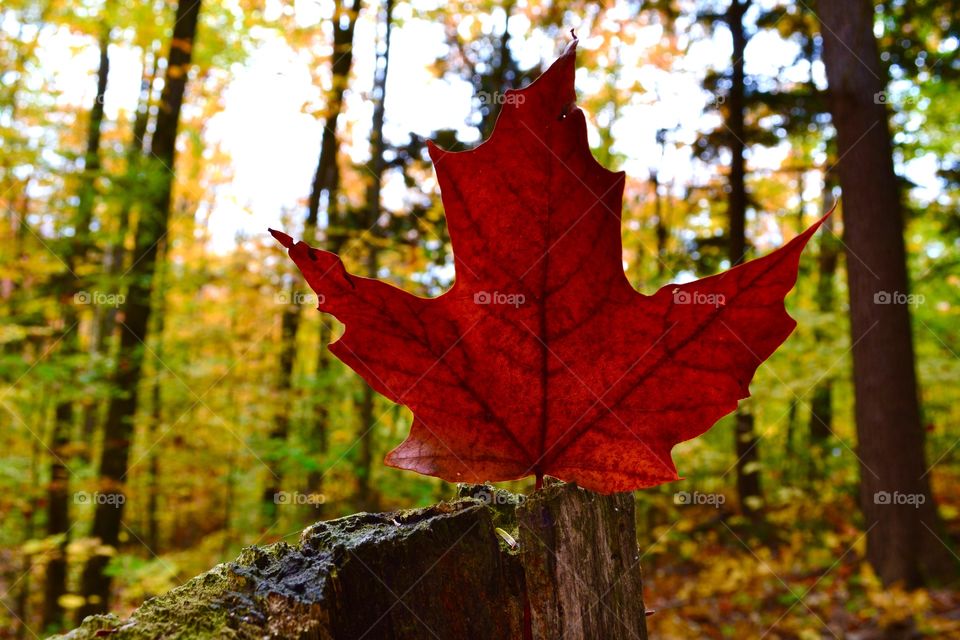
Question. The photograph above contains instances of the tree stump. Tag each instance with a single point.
(562, 563)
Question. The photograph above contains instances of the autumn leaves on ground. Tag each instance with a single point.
(167, 389)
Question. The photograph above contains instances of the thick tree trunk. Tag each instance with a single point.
(563, 563)
(905, 539)
(152, 227)
(746, 445)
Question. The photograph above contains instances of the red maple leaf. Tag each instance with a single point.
(542, 358)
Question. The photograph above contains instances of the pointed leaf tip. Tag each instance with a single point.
(282, 238)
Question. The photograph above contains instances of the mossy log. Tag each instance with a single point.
(562, 563)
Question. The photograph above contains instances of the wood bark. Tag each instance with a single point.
(905, 538)
(562, 563)
(152, 228)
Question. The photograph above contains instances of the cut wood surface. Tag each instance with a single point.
(562, 563)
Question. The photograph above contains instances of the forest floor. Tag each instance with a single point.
(801, 574)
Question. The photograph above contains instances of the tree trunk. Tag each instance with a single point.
(502, 66)
(58, 501)
(563, 563)
(821, 404)
(365, 498)
(229, 477)
(905, 538)
(158, 318)
(289, 321)
(318, 438)
(113, 258)
(118, 428)
(661, 204)
(327, 177)
(746, 445)
(326, 182)
(23, 572)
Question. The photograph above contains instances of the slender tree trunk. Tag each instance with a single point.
(231, 462)
(113, 258)
(289, 321)
(58, 510)
(748, 455)
(21, 607)
(365, 497)
(228, 506)
(118, 429)
(906, 542)
(327, 177)
(158, 316)
(821, 403)
(58, 514)
(499, 80)
(318, 436)
(793, 412)
(326, 184)
(660, 231)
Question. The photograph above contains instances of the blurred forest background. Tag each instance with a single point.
(165, 397)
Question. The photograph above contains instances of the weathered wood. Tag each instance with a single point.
(567, 567)
(582, 565)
